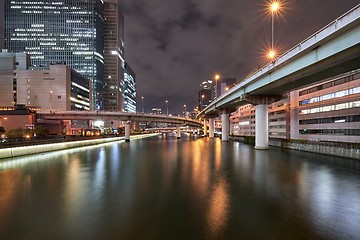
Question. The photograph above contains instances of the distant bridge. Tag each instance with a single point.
(121, 116)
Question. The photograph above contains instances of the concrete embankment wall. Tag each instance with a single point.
(22, 151)
(347, 150)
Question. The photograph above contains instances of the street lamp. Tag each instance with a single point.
(217, 77)
(50, 99)
(274, 7)
(185, 110)
(167, 107)
(142, 104)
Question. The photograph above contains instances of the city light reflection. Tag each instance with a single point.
(218, 208)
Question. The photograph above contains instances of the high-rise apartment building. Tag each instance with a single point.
(129, 89)
(114, 57)
(59, 31)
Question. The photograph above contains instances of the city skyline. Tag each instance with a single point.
(175, 46)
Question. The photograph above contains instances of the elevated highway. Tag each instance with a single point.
(333, 50)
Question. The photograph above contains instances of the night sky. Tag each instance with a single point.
(174, 45)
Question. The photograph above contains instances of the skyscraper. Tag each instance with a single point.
(223, 85)
(129, 89)
(68, 31)
(1, 25)
(114, 57)
(205, 94)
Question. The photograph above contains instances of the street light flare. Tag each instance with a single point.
(271, 54)
(274, 6)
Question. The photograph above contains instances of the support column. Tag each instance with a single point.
(261, 127)
(127, 131)
(211, 127)
(261, 117)
(205, 127)
(178, 133)
(225, 126)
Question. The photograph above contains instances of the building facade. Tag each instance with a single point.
(328, 111)
(54, 87)
(129, 89)
(222, 85)
(60, 31)
(205, 95)
(9, 63)
(114, 57)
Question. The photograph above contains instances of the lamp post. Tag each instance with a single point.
(185, 110)
(274, 7)
(142, 104)
(167, 107)
(217, 77)
(50, 99)
(202, 101)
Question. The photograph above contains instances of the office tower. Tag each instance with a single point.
(129, 89)
(9, 63)
(63, 31)
(2, 12)
(223, 85)
(114, 57)
(54, 87)
(205, 94)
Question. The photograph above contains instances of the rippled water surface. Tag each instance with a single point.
(164, 188)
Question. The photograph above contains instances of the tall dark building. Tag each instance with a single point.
(114, 57)
(56, 31)
(2, 12)
(223, 85)
(205, 94)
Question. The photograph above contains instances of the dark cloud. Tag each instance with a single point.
(175, 45)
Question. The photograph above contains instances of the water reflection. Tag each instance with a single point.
(165, 188)
(218, 209)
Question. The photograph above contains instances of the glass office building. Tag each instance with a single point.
(114, 95)
(60, 31)
(129, 90)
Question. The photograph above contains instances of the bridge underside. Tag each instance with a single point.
(315, 73)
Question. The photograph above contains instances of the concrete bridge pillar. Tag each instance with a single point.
(127, 131)
(211, 127)
(225, 126)
(262, 117)
(261, 127)
(205, 127)
(178, 132)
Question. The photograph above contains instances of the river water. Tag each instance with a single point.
(164, 188)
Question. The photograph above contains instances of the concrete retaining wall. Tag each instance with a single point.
(22, 151)
(347, 150)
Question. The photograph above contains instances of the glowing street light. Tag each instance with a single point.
(274, 8)
(142, 104)
(50, 99)
(217, 77)
(185, 110)
(271, 54)
(167, 107)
